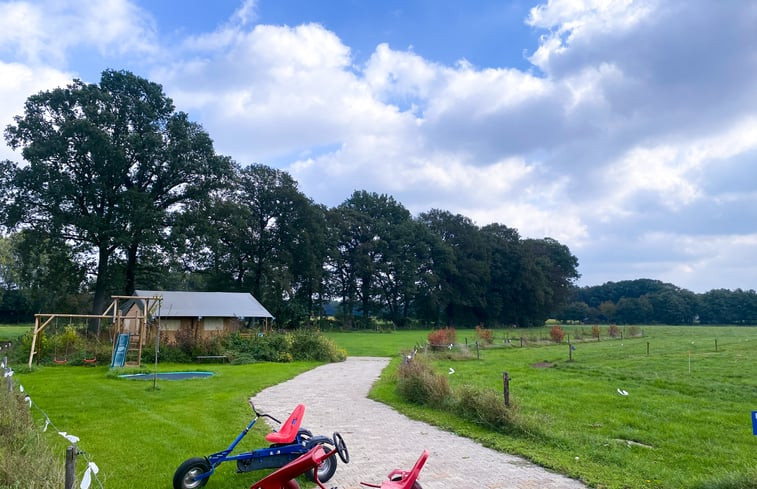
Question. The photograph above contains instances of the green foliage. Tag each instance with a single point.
(485, 407)
(418, 382)
(26, 459)
(308, 345)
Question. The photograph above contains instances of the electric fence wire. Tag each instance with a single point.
(92, 469)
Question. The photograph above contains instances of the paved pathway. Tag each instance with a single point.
(380, 439)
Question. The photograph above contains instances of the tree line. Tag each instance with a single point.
(119, 191)
(646, 301)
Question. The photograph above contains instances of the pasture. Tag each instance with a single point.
(685, 423)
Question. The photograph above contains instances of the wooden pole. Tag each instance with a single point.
(70, 467)
(506, 388)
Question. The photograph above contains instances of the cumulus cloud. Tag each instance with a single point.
(45, 32)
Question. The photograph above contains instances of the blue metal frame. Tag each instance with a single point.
(298, 447)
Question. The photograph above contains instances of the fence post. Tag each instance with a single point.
(506, 388)
(570, 352)
(716, 344)
(647, 348)
(70, 466)
(478, 355)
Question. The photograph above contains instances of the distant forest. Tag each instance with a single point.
(646, 301)
(118, 191)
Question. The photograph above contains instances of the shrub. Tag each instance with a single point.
(418, 383)
(308, 345)
(634, 331)
(484, 407)
(595, 331)
(485, 335)
(613, 331)
(557, 334)
(440, 339)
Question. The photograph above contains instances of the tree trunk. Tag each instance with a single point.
(131, 269)
(98, 304)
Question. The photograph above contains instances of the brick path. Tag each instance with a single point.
(380, 439)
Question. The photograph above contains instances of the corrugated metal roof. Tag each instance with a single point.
(207, 304)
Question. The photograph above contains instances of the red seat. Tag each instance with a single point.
(288, 431)
(402, 479)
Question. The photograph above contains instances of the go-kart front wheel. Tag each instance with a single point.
(326, 470)
(185, 476)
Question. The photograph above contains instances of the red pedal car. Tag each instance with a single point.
(284, 478)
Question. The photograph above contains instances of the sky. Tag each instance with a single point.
(625, 129)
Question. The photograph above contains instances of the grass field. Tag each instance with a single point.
(10, 332)
(686, 422)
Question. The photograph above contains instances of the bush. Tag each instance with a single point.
(595, 331)
(418, 383)
(308, 345)
(557, 334)
(634, 331)
(440, 339)
(484, 407)
(613, 331)
(485, 335)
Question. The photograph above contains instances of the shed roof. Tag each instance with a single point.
(207, 304)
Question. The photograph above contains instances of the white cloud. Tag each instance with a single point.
(44, 32)
(16, 84)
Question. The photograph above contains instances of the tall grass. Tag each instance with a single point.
(26, 459)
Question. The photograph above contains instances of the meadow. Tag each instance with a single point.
(685, 423)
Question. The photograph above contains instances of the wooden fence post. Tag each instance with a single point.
(506, 388)
(70, 466)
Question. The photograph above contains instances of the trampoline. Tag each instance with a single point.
(168, 376)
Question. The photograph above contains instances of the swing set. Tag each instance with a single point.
(134, 325)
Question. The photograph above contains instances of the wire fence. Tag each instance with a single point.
(91, 469)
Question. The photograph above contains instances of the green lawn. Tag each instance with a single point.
(10, 332)
(138, 436)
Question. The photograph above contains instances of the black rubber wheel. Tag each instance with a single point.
(326, 470)
(416, 484)
(341, 448)
(184, 478)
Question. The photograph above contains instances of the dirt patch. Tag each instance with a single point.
(542, 365)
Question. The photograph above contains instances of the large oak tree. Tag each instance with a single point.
(106, 167)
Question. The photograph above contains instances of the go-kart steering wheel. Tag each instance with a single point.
(341, 448)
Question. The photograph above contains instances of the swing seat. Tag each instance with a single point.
(90, 361)
(59, 361)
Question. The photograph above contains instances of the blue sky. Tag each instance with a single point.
(625, 129)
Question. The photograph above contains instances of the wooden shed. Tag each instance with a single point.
(203, 314)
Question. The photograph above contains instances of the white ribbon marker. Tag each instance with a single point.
(451, 370)
(71, 438)
(86, 480)
(622, 392)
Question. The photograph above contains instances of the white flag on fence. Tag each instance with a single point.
(86, 480)
(71, 438)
